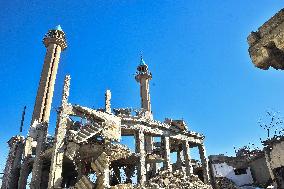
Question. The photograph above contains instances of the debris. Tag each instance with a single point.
(177, 179)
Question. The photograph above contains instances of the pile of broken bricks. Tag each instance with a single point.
(177, 179)
(223, 182)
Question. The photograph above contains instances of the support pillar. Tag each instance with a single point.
(12, 172)
(149, 144)
(204, 162)
(107, 101)
(37, 166)
(24, 173)
(187, 158)
(149, 150)
(180, 158)
(167, 153)
(140, 148)
(55, 177)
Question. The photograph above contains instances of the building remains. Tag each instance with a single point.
(274, 153)
(247, 168)
(267, 44)
(86, 152)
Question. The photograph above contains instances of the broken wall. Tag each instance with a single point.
(259, 170)
(277, 155)
(225, 170)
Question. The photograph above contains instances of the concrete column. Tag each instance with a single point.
(37, 166)
(55, 177)
(107, 101)
(11, 171)
(24, 173)
(204, 162)
(167, 153)
(149, 142)
(140, 148)
(187, 158)
(179, 158)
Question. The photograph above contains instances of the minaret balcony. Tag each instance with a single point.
(55, 37)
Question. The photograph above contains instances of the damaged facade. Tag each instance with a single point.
(274, 153)
(247, 168)
(81, 149)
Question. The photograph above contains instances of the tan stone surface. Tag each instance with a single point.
(267, 44)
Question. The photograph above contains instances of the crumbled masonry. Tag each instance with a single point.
(177, 179)
(267, 44)
(223, 182)
(86, 150)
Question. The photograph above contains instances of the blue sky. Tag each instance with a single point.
(196, 50)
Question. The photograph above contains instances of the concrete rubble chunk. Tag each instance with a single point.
(266, 46)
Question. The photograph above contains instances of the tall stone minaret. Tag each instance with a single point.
(143, 76)
(54, 42)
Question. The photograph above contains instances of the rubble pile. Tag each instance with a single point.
(223, 182)
(118, 151)
(178, 179)
(122, 186)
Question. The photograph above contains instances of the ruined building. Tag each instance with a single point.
(247, 168)
(92, 147)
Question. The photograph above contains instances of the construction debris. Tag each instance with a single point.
(223, 182)
(178, 179)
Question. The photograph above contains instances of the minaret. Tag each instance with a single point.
(54, 42)
(143, 76)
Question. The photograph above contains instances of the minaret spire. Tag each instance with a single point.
(55, 42)
(143, 76)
